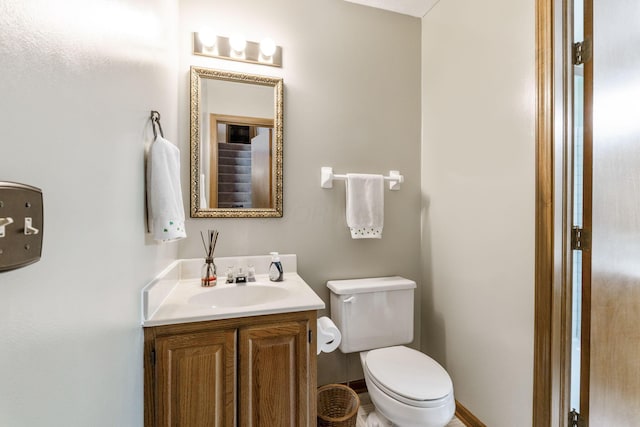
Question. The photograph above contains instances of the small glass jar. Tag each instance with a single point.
(208, 274)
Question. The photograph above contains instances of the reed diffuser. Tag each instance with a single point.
(208, 276)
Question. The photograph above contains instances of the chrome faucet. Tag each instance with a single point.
(238, 275)
(241, 276)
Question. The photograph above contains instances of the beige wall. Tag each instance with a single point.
(478, 164)
(237, 99)
(73, 117)
(77, 82)
(352, 101)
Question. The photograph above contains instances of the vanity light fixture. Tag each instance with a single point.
(238, 43)
(208, 38)
(267, 47)
(237, 48)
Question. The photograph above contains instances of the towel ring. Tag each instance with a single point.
(155, 120)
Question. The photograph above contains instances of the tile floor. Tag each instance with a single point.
(366, 406)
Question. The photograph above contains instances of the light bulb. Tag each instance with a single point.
(267, 47)
(237, 42)
(207, 37)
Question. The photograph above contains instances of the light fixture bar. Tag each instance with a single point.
(222, 49)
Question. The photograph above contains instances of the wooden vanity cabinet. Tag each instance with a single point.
(249, 372)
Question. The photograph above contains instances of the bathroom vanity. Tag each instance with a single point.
(232, 355)
(260, 370)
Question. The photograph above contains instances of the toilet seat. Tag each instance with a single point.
(408, 376)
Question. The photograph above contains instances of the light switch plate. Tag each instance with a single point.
(21, 244)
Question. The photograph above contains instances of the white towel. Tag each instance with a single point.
(164, 193)
(365, 205)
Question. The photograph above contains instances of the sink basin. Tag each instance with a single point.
(175, 295)
(239, 295)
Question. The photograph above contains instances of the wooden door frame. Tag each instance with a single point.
(543, 363)
(553, 293)
(587, 221)
(214, 120)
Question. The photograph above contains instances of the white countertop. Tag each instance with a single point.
(166, 300)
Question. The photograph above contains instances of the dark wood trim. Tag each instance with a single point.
(149, 378)
(466, 417)
(587, 219)
(544, 230)
(359, 386)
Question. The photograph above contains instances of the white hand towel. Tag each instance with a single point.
(164, 193)
(365, 205)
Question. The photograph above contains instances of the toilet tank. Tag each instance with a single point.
(372, 313)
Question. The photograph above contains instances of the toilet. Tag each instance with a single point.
(375, 318)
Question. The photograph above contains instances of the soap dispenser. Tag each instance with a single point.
(275, 269)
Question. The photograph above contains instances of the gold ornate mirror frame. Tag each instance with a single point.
(275, 210)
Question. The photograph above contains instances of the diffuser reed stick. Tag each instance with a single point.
(209, 268)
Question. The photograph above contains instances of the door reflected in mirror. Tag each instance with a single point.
(236, 144)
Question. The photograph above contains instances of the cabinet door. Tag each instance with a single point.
(274, 375)
(195, 377)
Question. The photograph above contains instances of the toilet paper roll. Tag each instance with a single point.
(328, 335)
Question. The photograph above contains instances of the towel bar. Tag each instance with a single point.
(327, 177)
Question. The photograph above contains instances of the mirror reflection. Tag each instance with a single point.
(236, 144)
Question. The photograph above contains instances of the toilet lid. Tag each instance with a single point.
(408, 374)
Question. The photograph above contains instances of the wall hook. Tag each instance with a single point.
(155, 120)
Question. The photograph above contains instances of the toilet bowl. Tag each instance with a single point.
(408, 387)
(375, 318)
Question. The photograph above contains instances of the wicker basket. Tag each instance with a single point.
(337, 406)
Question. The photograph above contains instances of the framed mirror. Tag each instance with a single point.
(236, 145)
